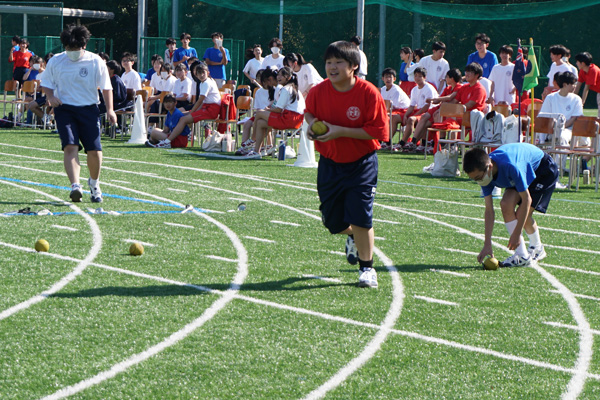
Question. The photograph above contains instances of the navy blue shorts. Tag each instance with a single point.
(79, 124)
(542, 187)
(40, 100)
(347, 192)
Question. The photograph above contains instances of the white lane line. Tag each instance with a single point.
(228, 295)
(81, 266)
(339, 253)
(48, 160)
(221, 258)
(179, 225)
(379, 238)
(259, 239)
(329, 317)
(284, 223)
(572, 327)
(309, 209)
(201, 181)
(118, 181)
(581, 296)
(375, 344)
(586, 340)
(177, 190)
(140, 242)
(236, 198)
(438, 301)
(66, 228)
(260, 188)
(443, 271)
(551, 246)
(323, 278)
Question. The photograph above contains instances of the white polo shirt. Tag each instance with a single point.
(76, 83)
(285, 100)
(210, 90)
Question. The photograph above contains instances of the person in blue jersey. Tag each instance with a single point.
(529, 176)
(482, 56)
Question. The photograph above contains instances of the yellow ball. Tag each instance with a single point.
(42, 245)
(490, 263)
(136, 249)
(319, 128)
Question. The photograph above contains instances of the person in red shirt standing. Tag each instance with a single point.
(355, 116)
(589, 75)
(20, 59)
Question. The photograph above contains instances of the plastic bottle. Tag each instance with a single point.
(586, 176)
(281, 151)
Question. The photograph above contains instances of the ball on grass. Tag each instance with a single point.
(490, 263)
(42, 245)
(136, 249)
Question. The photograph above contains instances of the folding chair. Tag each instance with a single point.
(229, 86)
(10, 86)
(159, 114)
(582, 128)
(124, 113)
(28, 88)
(448, 110)
(503, 109)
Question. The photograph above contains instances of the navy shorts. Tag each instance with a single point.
(347, 192)
(542, 187)
(40, 100)
(79, 124)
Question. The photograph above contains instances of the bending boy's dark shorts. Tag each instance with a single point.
(542, 187)
(79, 124)
(347, 192)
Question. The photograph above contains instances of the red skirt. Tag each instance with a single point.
(285, 120)
(207, 111)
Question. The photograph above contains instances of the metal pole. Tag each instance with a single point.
(281, 20)
(24, 25)
(360, 21)
(141, 32)
(175, 19)
(382, 22)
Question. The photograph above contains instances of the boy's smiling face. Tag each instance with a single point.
(339, 71)
(388, 79)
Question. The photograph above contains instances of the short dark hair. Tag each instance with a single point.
(438, 46)
(185, 36)
(75, 37)
(275, 42)
(291, 58)
(154, 58)
(218, 35)
(419, 53)
(585, 58)
(406, 50)
(24, 41)
(344, 50)
(483, 37)
(558, 50)
(566, 77)
(454, 73)
(357, 40)
(421, 71)
(167, 67)
(169, 98)
(476, 158)
(506, 49)
(129, 57)
(16, 39)
(104, 56)
(170, 41)
(389, 71)
(474, 68)
(112, 64)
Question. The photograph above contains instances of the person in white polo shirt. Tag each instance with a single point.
(71, 82)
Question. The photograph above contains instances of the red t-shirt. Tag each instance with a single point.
(474, 93)
(21, 59)
(360, 107)
(591, 78)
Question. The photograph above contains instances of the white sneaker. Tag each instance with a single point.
(163, 144)
(351, 251)
(516, 261)
(96, 193)
(537, 253)
(367, 278)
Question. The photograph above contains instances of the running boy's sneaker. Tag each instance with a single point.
(537, 253)
(96, 193)
(76, 193)
(367, 278)
(516, 261)
(351, 251)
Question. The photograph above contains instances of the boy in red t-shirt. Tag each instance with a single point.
(589, 75)
(355, 115)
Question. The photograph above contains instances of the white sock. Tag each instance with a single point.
(75, 185)
(94, 182)
(521, 249)
(534, 239)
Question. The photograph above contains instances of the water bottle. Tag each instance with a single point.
(281, 152)
(586, 176)
(207, 131)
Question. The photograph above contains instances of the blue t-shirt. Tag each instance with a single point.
(487, 62)
(33, 74)
(215, 55)
(516, 164)
(403, 76)
(180, 52)
(149, 74)
(172, 120)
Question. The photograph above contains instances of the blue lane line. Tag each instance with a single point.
(114, 196)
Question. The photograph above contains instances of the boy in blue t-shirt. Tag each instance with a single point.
(482, 56)
(529, 176)
(185, 52)
(217, 57)
(166, 134)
